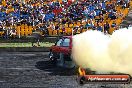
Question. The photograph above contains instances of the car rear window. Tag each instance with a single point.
(66, 42)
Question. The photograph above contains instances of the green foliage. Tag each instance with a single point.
(29, 44)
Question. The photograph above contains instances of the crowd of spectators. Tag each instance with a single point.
(54, 15)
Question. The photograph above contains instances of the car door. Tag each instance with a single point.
(62, 51)
(65, 58)
(56, 48)
(65, 46)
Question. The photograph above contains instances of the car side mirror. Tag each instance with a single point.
(55, 44)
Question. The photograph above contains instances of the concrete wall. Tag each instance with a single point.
(27, 49)
(24, 49)
(23, 40)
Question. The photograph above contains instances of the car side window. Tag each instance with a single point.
(66, 42)
(59, 42)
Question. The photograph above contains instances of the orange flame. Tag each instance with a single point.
(81, 71)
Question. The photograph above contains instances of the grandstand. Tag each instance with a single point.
(20, 18)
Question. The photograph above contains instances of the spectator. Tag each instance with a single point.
(40, 11)
(57, 28)
(106, 28)
(99, 27)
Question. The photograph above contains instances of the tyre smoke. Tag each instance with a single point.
(104, 53)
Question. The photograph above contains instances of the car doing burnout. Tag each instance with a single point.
(60, 53)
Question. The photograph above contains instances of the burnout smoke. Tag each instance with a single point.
(103, 53)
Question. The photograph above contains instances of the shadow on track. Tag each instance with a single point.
(54, 70)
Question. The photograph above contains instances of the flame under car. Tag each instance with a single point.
(116, 78)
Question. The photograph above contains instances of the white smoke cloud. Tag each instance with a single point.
(104, 53)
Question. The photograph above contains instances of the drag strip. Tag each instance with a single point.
(33, 70)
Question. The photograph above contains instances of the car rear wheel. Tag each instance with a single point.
(69, 63)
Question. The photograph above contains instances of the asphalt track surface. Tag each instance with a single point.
(33, 70)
